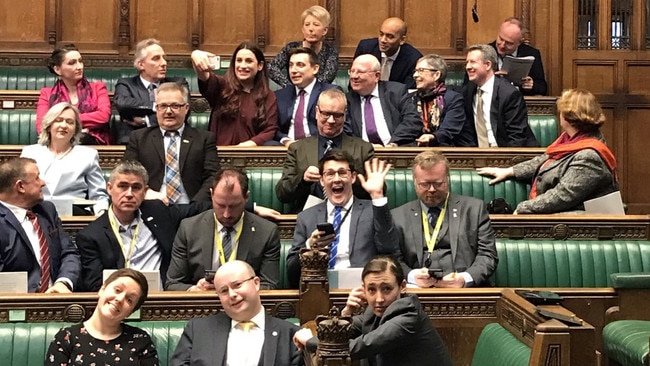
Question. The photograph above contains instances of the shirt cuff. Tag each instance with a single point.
(379, 202)
(66, 281)
(469, 281)
(411, 276)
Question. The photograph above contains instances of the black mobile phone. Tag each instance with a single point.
(209, 275)
(435, 273)
(326, 227)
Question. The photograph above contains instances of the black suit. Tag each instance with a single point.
(286, 99)
(131, 99)
(404, 64)
(508, 116)
(402, 119)
(205, 342)
(197, 158)
(536, 70)
(100, 249)
(17, 254)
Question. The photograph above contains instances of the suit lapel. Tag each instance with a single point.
(157, 140)
(206, 230)
(310, 154)
(454, 216)
(246, 237)
(186, 144)
(494, 108)
(10, 218)
(270, 347)
(355, 114)
(115, 249)
(311, 108)
(416, 231)
(356, 208)
(220, 351)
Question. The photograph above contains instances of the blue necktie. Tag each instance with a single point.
(432, 215)
(335, 244)
(227, 242)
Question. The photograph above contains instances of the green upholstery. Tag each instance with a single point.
(626, 342)
(633, 280)
(545, 128)
(285, 246)
(497, 346)
(589, 263)
(18, 127)
(197, 120)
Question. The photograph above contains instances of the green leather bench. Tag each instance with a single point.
(18, 127)
(545, 128)
(497, 346)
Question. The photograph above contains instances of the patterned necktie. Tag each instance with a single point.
(371, 126)
(432, 215)
(329, 145)
(335, 244)
(298, 127)
(385, 69)
(227, 242)
(479, 121)
(172, 169)
(152, 92)
(246, 326)
(45, 252)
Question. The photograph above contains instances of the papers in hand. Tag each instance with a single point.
(517, 68)
(611, 204)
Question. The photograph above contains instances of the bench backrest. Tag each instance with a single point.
(497, 346)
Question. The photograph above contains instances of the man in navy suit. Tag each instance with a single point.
(25, 221)
(241, 334)
(397, 57)
(134, 96)
(303, 68)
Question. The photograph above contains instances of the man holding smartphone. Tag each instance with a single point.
(354, 230)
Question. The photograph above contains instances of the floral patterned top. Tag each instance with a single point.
(75, 346)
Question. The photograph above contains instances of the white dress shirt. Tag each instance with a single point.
(380, 119)
(245, 348)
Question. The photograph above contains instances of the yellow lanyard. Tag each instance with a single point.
(219, 244)
(433, 239)
(116, 231)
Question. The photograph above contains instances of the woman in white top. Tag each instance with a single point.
(69, 170)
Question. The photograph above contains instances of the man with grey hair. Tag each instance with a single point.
(133, 233)
(135, 96)
(496, 111)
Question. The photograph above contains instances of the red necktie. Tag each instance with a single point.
(45, 252)
(298, 127)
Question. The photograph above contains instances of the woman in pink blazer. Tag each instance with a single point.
(91, 98)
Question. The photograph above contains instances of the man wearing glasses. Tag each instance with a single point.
(180, 159)
(361, 229)
(300, 174)
(446, 239)
(242, 334)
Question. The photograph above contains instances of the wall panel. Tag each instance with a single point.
(635, 157)
(22, 24)
(226, 24)
(491, 15)
(360, 19)
(430, 26)
(91, 25)
(168, 21)
(599, 77)
(284, 23)
(637, 76)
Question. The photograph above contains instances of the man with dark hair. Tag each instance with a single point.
(361, 227)
(297, 102)
(32, 239)
(223, 234)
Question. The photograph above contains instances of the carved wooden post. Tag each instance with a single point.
(314, 286)
(333, 339)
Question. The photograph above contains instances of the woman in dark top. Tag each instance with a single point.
(244, 109)
(103, 339)
(393, 330)
(315, 22)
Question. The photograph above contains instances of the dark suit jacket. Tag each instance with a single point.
(404, 335)
(468, 228)
(452, 120)
(100, 249)
(198, 159)
(370, 234)
(404, 65)
(205, 342)
(508, 116)
(131, 99)
(291, 188)
(404, 123)
(536, 70)
(17, 255)
(286, 98)
(193, 249)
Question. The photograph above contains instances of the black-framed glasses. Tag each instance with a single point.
(331, 173)
(435, 185)
(328, 114)
(175, 107)
(233, 286)
(421, 70)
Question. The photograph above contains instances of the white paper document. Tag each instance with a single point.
(13, 282)
(517, 67)
(611, 204)
(344, 277)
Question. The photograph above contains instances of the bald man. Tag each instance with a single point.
(397, 58)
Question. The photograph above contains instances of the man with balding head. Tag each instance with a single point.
(381, 112)
(243, 334)
(397, 58)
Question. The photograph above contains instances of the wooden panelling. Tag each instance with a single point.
(636, 151)
(225, 24)
(430, 27)
(491, 15)
(597, 77)
(90, 25)
(360, 19)
(168, 21)
(284, 24)
(637, 77)
(23, 24)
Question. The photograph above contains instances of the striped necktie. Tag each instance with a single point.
(45, 252)
(335, 244)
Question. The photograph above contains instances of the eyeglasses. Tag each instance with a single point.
(175, 107)
(428, 185)
(327, 115)
(233, 286)
(358, 72)
(421, 70)
(330, 174)
(69, 121)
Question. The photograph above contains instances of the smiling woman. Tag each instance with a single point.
(103, 339)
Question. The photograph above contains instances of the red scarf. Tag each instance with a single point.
(87, 100)
(567, 145)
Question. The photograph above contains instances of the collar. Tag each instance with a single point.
(393, 57)
(346, 207)
(259, 319)
(374, 93)
(238, 226)
(180, 131)
(338, 140)
(136, 219)
(514, 54)
(425, 208)
(19, 212)
(488, 87)
(307, 89)
(147, 82)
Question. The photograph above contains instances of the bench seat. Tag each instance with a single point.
(497, 346)
(627, 342)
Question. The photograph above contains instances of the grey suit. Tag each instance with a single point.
(205, 341)
(466, 228)
(370, 234)
(193, 250)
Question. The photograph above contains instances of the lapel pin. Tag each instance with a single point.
(150, 218)
(275, 334)
(253, 228)
(455, 212)
(186, 141)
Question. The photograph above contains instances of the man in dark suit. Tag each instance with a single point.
(106, 242)
(32, 239)
(195, 150)
(496, 111)
(361, 227)
(381, 112)
(134, 96)
(509, 42)
(243, 334)
(443, 231)
(226, 233)
(303, 68)
(300, 174)
(397, 57)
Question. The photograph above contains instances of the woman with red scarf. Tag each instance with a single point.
(90, 98)
(577, 167)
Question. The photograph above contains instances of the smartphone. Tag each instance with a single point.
(435, 273)
(209, 275)
(326, 227)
